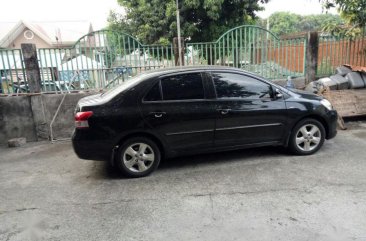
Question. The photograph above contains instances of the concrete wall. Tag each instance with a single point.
(16, 119)
(64, 121)
(30, 116)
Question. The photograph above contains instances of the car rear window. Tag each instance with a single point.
(154, 94)
(183, 87)
(124, 86)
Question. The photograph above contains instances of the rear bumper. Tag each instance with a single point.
(332, 118)
(91, 149)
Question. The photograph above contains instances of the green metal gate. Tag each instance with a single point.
(101, 59)
(254, 49)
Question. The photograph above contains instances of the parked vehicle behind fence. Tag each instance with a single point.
(190, 110)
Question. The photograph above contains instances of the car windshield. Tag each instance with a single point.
(124, 86)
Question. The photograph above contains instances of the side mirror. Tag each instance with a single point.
(278, 94)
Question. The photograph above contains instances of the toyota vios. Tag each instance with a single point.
(184, 111)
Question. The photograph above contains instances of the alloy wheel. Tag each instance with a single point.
(308, 137)
(138, 157)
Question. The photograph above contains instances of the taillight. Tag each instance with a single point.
(81, 119)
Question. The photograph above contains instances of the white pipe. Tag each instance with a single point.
(54, 117)
(179, 43)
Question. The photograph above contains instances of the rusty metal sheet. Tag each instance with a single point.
(356, 68)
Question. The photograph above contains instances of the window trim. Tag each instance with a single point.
(177, 101)
(242, 74)
(148, 91)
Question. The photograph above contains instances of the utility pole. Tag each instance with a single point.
(179, 40)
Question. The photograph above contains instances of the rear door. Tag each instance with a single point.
(247, 112)
(177, 110)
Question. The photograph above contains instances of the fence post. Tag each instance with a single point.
(312, 48)
(32, 67)
(34, 84)
(176, 50)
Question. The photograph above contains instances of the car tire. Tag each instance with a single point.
(307, 137)
(138, 157)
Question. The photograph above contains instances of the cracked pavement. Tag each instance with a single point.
(47, 193)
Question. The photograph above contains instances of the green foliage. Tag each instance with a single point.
(284, 23)
(317, 22)
(342, 31)
(353, 12)
(154, 21)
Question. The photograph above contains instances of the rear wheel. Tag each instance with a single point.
(307, 137)
(138, 157)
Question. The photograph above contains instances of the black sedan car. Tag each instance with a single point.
(189, 110)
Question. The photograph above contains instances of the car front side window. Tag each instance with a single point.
(232, 85)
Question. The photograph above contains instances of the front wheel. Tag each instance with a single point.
(138, 157)
(307, 137)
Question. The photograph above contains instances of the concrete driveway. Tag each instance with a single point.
(47, 193)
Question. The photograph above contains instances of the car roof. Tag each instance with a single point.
(180, 69)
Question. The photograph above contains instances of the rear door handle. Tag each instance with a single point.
(224, 111)
(157, 114)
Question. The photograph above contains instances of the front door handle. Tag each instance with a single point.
(224, 111)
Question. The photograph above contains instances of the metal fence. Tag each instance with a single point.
(103, 59)
(253, 49)
(12, 71)
(98, 60)
(336, 51)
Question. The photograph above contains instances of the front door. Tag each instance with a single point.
(177, 110)
(247, 112)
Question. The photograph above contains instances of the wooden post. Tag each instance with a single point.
(311, 57)
(31, 67)
(176, 51)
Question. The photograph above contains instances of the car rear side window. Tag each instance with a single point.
(231, 85)
(154, 94)
(183, 87)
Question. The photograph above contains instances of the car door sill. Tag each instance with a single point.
(268, 143)
(222, 148)
(246, 127)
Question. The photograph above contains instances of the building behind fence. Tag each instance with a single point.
(103, 59)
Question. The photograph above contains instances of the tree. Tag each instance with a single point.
(317, 22)
(353, 12)
(154, 21)
(283, 23)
